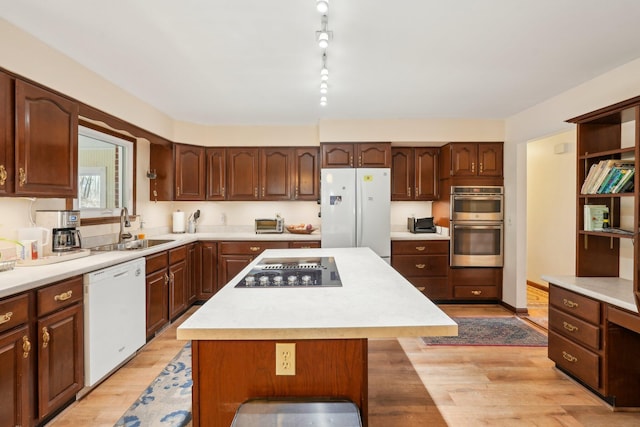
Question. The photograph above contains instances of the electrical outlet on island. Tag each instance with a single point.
(285, 358)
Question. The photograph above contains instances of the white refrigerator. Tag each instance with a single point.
(355, 209)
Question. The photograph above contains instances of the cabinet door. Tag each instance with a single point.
(426, 173)
(6, 134)
(216, 170)
(15, 354)
(337, 155)
(46, 155)
(242, 174)
(490, 159)
(194, 267)
(157, 307)
(276, 165)
(208, 284)
(161, 162)
(230, 266)
(178, 289)
(306, 176)
(464, 159)
(60, 358)
(402, 173)
(190, 172)
(374, 155)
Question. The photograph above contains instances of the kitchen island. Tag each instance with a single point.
(234, 335)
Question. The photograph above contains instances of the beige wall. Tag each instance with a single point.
(551, 207)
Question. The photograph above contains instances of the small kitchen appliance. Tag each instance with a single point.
(292, 272)
(269, 225)
(65, 236)
(421, 225)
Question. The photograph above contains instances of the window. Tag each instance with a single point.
(105, 173)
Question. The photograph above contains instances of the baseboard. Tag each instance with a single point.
(538, 286)
(513, 309)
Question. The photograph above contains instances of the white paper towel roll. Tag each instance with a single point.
(178, 222)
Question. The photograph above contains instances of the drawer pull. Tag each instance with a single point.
(3, 175)
(254, 248)
(23, 177)
(6, 317)
(421, 266)
(568, 357)
(476, 293)
(166, 278)
(26, 346)
(45, 337)
(569, 303)
(421, 288)
(569, 327)
(63, 296)
(420, 248)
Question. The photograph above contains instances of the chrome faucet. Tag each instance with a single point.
(124, 222)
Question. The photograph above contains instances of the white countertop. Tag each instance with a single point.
(373, 301)
(613, 290)
(24, 278)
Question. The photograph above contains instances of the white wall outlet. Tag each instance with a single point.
(285, 358)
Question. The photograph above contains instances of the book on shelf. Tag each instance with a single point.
(608, 176)
(594, 217)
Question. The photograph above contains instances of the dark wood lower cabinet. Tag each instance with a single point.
(157, 292)
(208, 281)
(14, 377)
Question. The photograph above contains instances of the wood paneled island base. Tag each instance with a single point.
(228, 373)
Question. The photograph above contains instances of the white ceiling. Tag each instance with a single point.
(254, 62)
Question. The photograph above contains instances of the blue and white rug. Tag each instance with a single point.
(167, 400)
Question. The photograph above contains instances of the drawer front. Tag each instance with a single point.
(59, 295)
(250, 248)
(177, 254)
(14, 311)
(416, 247)
(432, 287)
(576, 359)
(421, 265)
(578, 305)
(476, 276)
(305, 244)
(574, 328)
(475, 292)
(623, 318)
(156, 262)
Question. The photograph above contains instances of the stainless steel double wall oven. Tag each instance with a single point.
(477, 226)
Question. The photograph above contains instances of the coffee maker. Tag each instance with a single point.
(65, 235)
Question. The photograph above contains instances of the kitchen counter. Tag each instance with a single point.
(373, 301)
(24, 278)
(612, 290)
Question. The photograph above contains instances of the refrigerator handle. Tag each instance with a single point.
(360, 215)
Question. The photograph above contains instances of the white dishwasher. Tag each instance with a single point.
(114, 317)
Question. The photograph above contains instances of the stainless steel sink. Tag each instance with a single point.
(131, 246)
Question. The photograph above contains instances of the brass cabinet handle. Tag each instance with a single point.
(360, 160)
(481, 168)
(63, 296)
(476, 293)
(255, 192)
(45, 337)
(6, 317)
(569, 357)
(222, 191)
(172, 277)
(178, 191)
(254, 248)
(409, 191)
(166, 278)
(3, 175)
(420, 248)
(296, 196)
(421, 288)
(420, 266)
(262, 191)
(26, 346)
(350, 160)
(569, 327)
(570, 303)
(23, 177)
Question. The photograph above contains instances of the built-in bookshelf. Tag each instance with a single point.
(607, 152)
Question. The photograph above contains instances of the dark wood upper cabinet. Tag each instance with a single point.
(276, 178)
(243, 179)
(360, 155)
(6, 134)
(46, 147)
(490, 159)
(306, 176)
(414, 173)
(190, 172)
(216, 173)
(476, 159)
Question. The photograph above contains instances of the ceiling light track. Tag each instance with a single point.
(323, 37)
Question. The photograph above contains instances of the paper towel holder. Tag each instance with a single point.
(151, 174)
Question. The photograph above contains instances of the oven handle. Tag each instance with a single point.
(477, 225)
(472, 197)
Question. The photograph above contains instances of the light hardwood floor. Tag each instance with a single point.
(410, 384)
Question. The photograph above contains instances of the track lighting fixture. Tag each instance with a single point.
(322, 6)
(323, 37)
